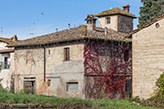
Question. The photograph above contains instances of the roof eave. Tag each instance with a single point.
(125, 40)
(115, 14)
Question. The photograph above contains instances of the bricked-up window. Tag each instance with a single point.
(66, 54)
(72, 86)
(126, 55)
(108, 20)
(28, 58)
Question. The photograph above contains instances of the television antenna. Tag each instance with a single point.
(1, 31)
(32, 31)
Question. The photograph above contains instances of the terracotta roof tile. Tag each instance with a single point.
(72, 34)
(113, 11)
(7, 40)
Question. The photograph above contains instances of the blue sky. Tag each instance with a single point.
(22, 17)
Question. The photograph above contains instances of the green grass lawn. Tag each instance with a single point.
(94, 104)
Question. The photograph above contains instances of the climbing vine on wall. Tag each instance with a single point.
(106, 69)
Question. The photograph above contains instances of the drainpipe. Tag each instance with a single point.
(44, 63)
(105, 30)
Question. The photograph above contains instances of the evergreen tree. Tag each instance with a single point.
(150, 10)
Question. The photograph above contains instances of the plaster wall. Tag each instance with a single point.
(118, 23)
(113, 22)
(2, 45)
(28, 63)
(7, 74)
(148, 56)
(58, 71)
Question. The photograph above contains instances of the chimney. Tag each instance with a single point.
(69, 26)
(126, 7)
(56, 29)
(91, 22)
(14, 38)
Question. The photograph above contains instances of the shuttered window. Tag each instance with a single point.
(66, 54)
(108, 20)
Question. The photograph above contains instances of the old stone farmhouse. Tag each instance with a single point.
(148, 56)
(79, 62)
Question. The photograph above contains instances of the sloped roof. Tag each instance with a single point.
(72, 34)
(114, 11)
(145, 26)
(7, 40)
(90, 16)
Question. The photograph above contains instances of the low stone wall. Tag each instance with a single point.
(45, 106)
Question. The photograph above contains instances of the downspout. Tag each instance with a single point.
(44, 63)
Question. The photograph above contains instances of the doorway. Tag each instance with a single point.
(29, 87)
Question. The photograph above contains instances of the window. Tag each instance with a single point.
(157, 25)
(66, 54)
(49, 82)
(126, 55)
(89, 21)
(72, 86)
(108, 20)
(48, 52)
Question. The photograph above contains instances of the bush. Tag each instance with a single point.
(158, 99)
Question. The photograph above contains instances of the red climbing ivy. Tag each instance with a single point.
(106, 69)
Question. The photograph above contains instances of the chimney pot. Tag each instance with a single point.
(126, 7)
(69, 26)
(91, 22)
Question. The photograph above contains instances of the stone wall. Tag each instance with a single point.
(148, 56)
(125, 24)
(30, 63)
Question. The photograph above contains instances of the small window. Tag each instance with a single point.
(66, 54)
(49, 82)
(89, 21)
(108, 20)
(157, 25)
(126, 55)
(72, 86)
(48, 52)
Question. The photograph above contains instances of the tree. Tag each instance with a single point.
(150, 10)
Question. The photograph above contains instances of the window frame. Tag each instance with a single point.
(108, 20)
(49, 52)
(66, 54)
(69, 83)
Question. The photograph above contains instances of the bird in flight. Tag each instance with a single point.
(42, 13)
